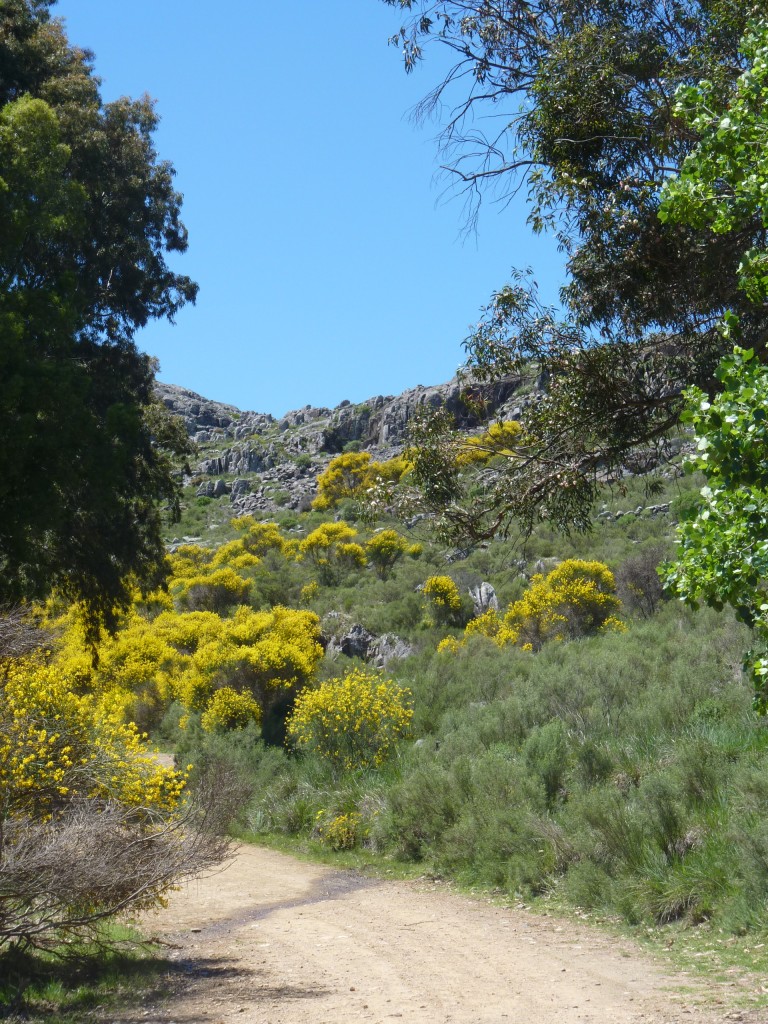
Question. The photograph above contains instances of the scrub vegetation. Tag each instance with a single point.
(528, 712)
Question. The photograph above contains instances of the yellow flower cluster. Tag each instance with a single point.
(322, 542)
(443, 591)
(57, 746)
(160, 654)
(330, 547)
(189, 560)
(386, 548)
(258, 652)
(352, 474)
(214, 590)
(443, 599)
(340, 832)
(498, 439)
(229, 709)
(259, 538)
(576, 599)
(353, 721)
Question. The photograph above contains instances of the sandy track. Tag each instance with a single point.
(272, 940)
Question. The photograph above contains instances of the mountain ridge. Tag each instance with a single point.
(266, 464)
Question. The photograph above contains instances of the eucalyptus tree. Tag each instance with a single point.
(573, 102)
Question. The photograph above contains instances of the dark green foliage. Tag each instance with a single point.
(88, 214)
(580, 97)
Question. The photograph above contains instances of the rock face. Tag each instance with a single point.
(265, 464)
(383, 421)
(204, 417)
(342, 636)
(484, 598)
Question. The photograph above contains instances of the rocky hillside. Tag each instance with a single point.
(264, 463)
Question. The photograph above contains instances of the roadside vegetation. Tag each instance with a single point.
(528, 714)
(590, 740)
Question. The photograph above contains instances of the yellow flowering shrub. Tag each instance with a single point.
(341, 832)
(213, 591)
(189, 560)
(187, 631)
(498, 439)
(352, 474)
(259, 538)
(353, 721)
(391, 470)
(153, 604)
(345, 477)
(576, 599)
(189, 656)
(352, 556)
(448, 645)
(573, 600)
(234, 556)
(229, 709)
(309, 592)
(443, 598)
(320, 542)
(260, 653)
(133, 657)
(330, 547)
(385, 549)
(57, 746)
(492, 626)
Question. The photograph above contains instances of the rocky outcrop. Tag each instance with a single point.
(265, 464)
(484, 599)
(340, 635)
(383, 421)
(205, 420)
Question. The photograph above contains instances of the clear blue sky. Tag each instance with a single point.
(329, 266)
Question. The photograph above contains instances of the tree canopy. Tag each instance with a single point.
(723, 548)
(573, 101)
(88, 215)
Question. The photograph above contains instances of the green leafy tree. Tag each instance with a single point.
(722, 553)
(581, 99)
(723, 183)
(87, 216)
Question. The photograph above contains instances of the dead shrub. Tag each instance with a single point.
(59, 879)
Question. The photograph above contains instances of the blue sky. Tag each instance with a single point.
(329, 266)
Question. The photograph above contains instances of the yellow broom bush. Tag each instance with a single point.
(353, 721)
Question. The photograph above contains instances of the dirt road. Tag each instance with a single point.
(272, 940)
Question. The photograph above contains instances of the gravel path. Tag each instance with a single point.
(273, 940)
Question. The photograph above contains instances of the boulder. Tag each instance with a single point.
(388, 647)
(484, 599)
(356, 643)
(240, 487)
